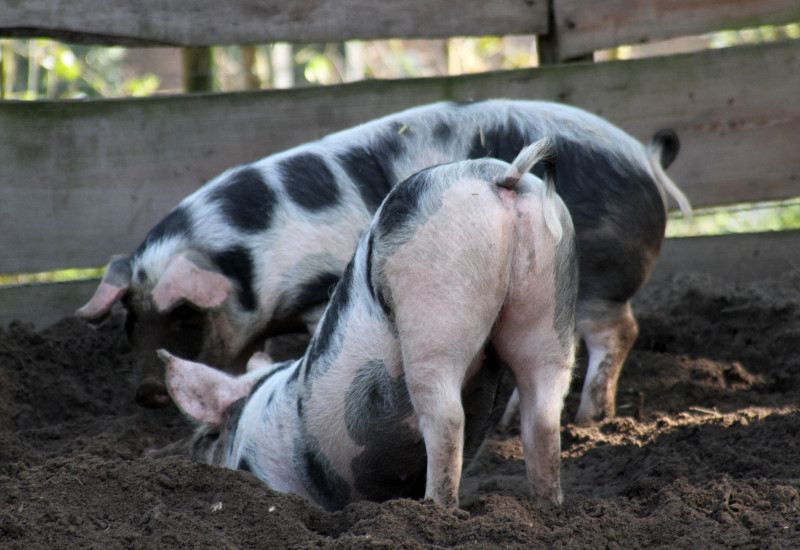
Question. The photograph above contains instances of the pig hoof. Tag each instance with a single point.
(152, 396)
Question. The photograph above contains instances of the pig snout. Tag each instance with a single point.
(152, 394)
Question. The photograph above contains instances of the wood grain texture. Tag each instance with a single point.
(210, 22)
(582, 27)
(739, 258)
(84, 180)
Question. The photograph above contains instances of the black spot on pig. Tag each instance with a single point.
(368, 270)
(177, 223)
(618, 215)
(502, 142)
(233, 415)
(260, 381)
(296, 374)
(315, 292)
(237, 264)
(375, 402)
(323, 342)
(400, 210)
(442, 131)
(275, 370)
(318, 476)
(245, 200)
(309, 181)
(387, 147)
(393, 461)
(368, 173)
(390, 145)
(402, 203)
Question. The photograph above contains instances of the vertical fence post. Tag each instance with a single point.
(547, 45)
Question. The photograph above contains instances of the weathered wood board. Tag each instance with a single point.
(43, 303)
(210, 22)
(738, 259)
(582, 27)
(84, 180)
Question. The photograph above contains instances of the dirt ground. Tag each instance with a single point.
(705, 452)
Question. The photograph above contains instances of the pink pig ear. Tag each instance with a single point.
(185, 280)
(114, 285)
(202, 392)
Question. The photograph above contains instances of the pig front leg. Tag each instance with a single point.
(609, 331)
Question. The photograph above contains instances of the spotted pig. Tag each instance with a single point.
(468, 271)
(256, 251)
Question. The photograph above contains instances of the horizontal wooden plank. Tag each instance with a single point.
(581, 29)
(84, 180)
(737, 258)
(43, 303)
(209, 22)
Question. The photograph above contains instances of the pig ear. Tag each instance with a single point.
(114, 285)
(185, 280)
(202, 392)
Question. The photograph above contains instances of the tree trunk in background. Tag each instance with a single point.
(251, 79)
(282, 65)
(197, 70)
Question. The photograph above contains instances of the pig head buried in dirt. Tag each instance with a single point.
(282, 229)
(467, 273)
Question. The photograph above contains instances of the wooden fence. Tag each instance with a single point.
(82, 180)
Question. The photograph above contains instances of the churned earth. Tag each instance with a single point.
(705, 452)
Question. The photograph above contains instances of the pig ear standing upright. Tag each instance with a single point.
(202, 392)
(114, 285)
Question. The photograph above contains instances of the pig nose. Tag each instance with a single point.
(152, 395)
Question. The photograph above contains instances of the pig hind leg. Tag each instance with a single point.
(609, 331)
(542, 364)
(443, 323)
(535, 337)
(436, 359)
